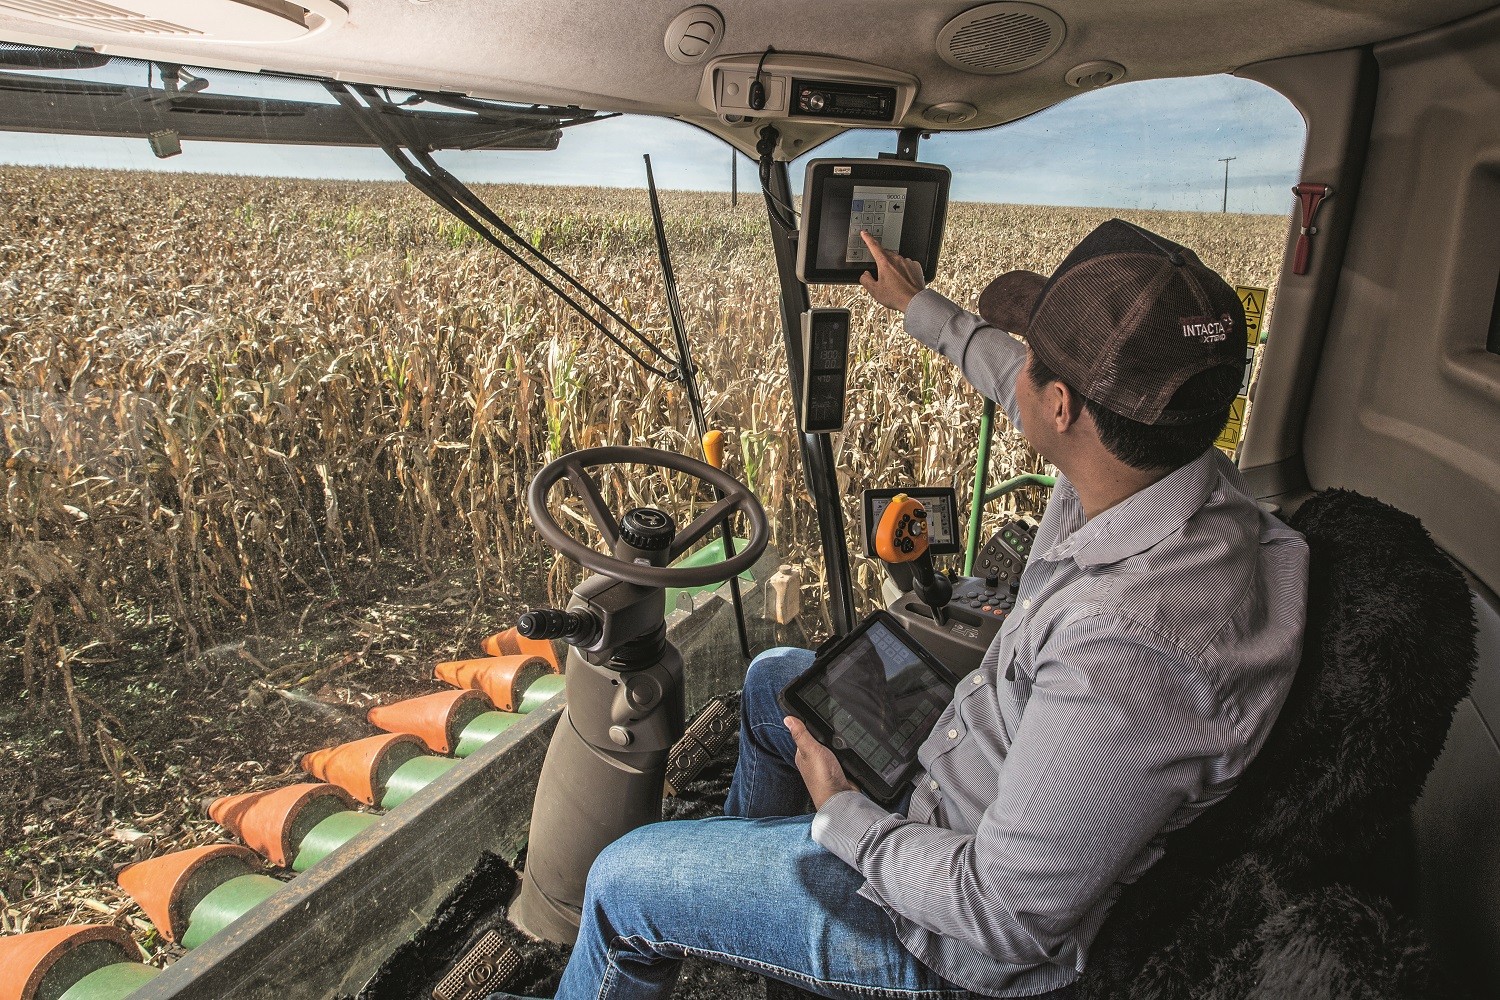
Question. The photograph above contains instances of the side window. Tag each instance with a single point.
(1208, 162)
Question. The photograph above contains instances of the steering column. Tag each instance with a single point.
(606, 764)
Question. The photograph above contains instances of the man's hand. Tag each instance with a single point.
(896, 279)
(821, 771)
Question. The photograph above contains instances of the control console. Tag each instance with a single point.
(964, 628)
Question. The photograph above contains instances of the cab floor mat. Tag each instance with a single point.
(475, 907)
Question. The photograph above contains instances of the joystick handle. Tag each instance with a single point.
(934, 589)
(902, 537)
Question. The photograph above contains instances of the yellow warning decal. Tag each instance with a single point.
(1229, 437)
(1254, 301)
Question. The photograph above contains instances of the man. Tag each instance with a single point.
(1155, 634)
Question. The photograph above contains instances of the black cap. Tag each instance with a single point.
(1126, 319)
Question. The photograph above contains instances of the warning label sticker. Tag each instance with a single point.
(1254, 301)
(1229, 438)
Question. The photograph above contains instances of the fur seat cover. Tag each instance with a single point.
(1273, 892)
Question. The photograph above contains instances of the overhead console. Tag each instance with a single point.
(785, 85)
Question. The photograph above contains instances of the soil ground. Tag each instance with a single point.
(165, 737)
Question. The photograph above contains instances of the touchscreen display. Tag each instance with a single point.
(880, 699)
(897, 214)
(939, 519)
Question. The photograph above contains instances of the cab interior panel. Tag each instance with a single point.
(1335, 92)
(1405, 376)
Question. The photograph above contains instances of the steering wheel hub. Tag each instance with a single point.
(647, 529)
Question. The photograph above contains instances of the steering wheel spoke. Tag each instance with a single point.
(588, 491)
(705, 522)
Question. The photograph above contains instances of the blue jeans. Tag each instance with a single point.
(750, 889)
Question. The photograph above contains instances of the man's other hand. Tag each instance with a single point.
(821, 771)
(896, 279)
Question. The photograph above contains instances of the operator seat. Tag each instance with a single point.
(1280, 890)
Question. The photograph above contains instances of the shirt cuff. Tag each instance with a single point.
(840, 826)
(928, 314)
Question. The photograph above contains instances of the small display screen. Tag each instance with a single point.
(879, 698)
(941, 504)
(939, 520)
(825, 345)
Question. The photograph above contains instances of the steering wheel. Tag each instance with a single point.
(575, 468)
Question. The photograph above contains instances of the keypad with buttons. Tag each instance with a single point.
(1004, 556)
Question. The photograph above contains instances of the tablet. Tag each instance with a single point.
(873, 697)
(900, 203)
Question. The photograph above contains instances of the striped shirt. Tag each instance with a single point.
(1145, 660)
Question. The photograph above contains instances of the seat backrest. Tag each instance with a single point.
(1388, 653)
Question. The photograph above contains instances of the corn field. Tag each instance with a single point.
(222, 395)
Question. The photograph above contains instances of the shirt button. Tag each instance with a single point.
(953, 734)
(978, 679)
(1026, 604)
(932, 785)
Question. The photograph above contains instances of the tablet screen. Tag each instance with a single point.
(879, 698)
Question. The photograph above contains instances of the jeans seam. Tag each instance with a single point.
(755, 965)
(610, 972)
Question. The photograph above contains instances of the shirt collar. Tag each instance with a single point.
(1134, 525)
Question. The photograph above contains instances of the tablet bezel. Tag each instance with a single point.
(874, 172)
(867, 778)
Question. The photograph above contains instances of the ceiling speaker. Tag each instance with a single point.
(217, 20)
(1000, 38)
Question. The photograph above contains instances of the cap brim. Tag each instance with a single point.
(1008, 301)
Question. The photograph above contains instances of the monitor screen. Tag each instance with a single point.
(941, 503)
(901, 204)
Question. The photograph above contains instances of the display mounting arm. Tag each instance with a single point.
(817, 449)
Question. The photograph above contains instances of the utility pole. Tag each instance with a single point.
(1225, 160)
(734, 178)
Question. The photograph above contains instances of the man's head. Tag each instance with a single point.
(1133, 341)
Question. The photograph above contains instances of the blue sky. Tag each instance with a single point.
(1147, 144)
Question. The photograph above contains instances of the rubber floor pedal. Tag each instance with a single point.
(487, 968)
(709, 735)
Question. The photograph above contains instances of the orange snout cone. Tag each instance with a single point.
(436, 718)
(266, 821)
(503, 678)
(159, 884)
(25, 959)
(356, 767)
(512, 643)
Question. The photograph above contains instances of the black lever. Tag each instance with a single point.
(934, 589)
(549, 623)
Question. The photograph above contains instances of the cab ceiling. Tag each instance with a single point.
(609, 55)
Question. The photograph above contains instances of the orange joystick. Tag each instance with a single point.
(901, 536)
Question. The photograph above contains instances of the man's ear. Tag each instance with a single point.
(1064, 406)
